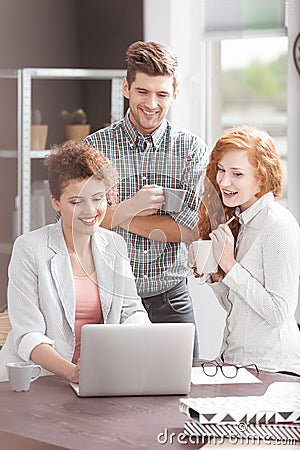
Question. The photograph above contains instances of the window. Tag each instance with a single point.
(253, 86)
(246, 77)
(247, 84)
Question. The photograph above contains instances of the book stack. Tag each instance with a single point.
(264, 418)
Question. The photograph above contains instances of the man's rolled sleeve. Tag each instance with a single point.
(187, 218)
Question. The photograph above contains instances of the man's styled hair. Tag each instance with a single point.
(151, 58)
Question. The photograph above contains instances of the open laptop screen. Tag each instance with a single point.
(136, 359)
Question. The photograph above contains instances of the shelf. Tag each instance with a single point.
(36, 154)
(10, 74)
(8, 153)
(26, 155)
(79, 74)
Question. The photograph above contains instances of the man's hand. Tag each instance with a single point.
(146, 201)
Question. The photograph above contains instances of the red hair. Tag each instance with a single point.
(262, 155)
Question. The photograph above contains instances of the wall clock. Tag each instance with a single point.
(296, 53)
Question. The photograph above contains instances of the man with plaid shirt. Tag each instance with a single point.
(150, 154)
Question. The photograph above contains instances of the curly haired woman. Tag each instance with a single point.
(70, 273)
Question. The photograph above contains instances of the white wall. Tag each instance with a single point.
(210, 318)
(173, 26)
(293, 91)
(179, 24)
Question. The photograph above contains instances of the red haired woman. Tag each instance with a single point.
(258, 254)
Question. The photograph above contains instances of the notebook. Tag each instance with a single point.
(135, 359)
(262, 409)
(282, 434)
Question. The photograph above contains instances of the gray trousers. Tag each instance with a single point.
(174, 305)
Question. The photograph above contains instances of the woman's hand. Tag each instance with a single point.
(223, 247)
(49, 359)
(74, 374)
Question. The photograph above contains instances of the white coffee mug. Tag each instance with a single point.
(21, 374)
(173, 199)
(204, 257)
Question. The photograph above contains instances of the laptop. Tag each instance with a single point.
(135, 359)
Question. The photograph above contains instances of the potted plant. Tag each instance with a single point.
(39, 132)
(76, 126)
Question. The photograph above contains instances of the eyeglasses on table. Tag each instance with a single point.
(210, 368)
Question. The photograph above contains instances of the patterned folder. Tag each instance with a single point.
(249, 410)
(285, 433)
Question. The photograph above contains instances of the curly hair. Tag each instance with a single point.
(79, 161)
(151, 58)
(262, 155)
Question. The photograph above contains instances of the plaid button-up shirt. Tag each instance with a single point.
(167, 157)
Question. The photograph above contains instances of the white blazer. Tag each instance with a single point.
(41, 292)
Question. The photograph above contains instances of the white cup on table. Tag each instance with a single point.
(21, 374)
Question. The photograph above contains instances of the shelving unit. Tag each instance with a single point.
(5, 247)
(10, 160)
(27, 77)
(16, 153)
(8, 154)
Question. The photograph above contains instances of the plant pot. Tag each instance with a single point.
(77, 132)
(39, 134)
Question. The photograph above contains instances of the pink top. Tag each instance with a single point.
(88, 307)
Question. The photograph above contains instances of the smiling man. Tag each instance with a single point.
(151, 154)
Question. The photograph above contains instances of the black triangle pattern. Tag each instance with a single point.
(262, 419)
(285, 415)
(272, 419)
(228, 418)
(208, 416)
(253, 419)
